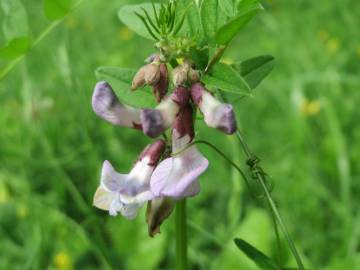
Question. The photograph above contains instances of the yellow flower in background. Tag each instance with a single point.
(310, 107)
(323, 35)
(333, 45)
(358, 50)
(125, 33)
(4, 193)
(71, 22)
(227, 61)
(62, 261)
(22, 211)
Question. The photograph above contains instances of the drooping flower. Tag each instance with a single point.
(177, 176)
(107, 106)
(126, 193)
(216, 114)
(156, 121)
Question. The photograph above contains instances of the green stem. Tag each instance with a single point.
(181, 235)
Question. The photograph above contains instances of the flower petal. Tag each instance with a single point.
(174, 176)
(107, 106)
(103, 198)
(111, 180)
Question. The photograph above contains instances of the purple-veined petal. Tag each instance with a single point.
(107, 106)
(174, 176)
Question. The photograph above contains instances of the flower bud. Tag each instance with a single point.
(160, 89)
(194, 76)
(216, 114)
(157, 211)
(148, 74)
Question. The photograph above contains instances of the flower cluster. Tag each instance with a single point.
(159, 177)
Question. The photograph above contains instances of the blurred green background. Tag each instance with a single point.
(302, 122)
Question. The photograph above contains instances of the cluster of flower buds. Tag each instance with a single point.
(159, 177)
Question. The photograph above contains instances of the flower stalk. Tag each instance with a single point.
(181, 235)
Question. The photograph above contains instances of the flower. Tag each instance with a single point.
(156, 121)
(107, 106)
(216, 114)
(176, 176)
(157, 211)
(126, 193)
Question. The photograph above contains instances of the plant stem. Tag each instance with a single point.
(181, 235)
(259, 175)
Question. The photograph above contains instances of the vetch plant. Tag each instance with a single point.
(186, 77)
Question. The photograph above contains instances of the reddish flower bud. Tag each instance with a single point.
(148, 74)
(160, 89)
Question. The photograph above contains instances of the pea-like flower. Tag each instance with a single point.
(156, 121)
(216, 114)
(177, 176)
(107, 106)
(126, 193)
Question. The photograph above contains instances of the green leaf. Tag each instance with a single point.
(245, 5)
(255, 69)
(120, 79)
(259, 258)
(228, 31)
(225, 78)
(192, 24)
(56, 9)
(209, 17)
(15, 48)
(228, 6)
(127, 14)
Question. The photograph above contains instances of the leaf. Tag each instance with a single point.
(192, 24)
(15, 48)
(255, 69)
(228, 6)
(245, 5)
(228, 31)
(227, 79)
(259, 258)
(127, 14)
(209, 17)
(120, 79)
(56, 9)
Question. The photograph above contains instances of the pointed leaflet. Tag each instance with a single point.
(228, 31)
(209, 13)
(255, 69)
(120, 79)
(259, 258)
(15, 48)
(127, 14)
(56, 9)
(225, 78)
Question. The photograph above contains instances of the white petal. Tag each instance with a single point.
(103, 198)
(111, 180)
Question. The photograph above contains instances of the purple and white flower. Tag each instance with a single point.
(156, 121)
(126, 193)
(107, 106)
(216, 114)
(177, 176)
